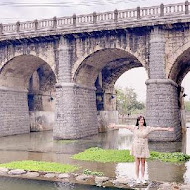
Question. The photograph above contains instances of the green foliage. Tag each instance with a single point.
(101, 155)
(88, 172)
(31, 165)
(187, 106)
(169, 157)
(127, 101)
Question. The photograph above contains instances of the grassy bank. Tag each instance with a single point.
(31, 165)
(101, 155)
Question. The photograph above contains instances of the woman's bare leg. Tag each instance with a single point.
(142, 167)
(137, 164)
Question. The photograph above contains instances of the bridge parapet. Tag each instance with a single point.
(155, 13)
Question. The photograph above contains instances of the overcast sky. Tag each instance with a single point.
(22, 10)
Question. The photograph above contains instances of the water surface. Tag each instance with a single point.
(41, 146)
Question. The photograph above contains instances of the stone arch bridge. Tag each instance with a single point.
(69, 65)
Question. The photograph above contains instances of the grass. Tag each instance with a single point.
(94, 173)
(31, 165)
(101, 155)
(174, 157)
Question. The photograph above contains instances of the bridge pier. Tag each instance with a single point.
(109, 114)
(76, 114)
(162, 109)
(162, 105)
(14, 114)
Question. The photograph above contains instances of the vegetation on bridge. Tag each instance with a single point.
(102, 155)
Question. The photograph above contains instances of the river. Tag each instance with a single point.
(41, 146)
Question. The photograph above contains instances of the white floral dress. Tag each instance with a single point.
(139, 147)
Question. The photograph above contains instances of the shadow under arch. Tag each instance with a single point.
(102, 69)
(26, 81)
(180, 66)
(18, 70)
(178, 71)
(112, 61)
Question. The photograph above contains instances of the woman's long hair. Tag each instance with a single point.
(138, 119)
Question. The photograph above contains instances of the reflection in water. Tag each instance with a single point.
(156, 170)
(161, 171)
(20, 184)
(41, 146)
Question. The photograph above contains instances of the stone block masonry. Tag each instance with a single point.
(162, 109)
(14, 114)
(78, 48)
(76, 112)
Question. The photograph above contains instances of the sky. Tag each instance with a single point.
(23, 10)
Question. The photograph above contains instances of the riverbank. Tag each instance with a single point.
(41, 147)
(78, 178)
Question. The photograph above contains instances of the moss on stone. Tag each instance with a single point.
(94, 173)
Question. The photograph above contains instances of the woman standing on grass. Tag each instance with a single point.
(140, 148)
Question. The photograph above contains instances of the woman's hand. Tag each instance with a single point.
(170, 129)
(112, 126)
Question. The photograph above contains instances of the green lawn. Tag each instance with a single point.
(31, 165)
(102, 155)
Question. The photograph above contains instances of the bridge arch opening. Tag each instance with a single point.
(28, 86)
(112, 61)
(102, 69)
(178, 73)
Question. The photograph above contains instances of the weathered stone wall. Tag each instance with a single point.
(14, 114)
(77, 60)
(92, 52)
(41, 120)
(162, 109)
(177, 49)
(44, 50)
(76, 114)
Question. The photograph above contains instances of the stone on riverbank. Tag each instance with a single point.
(50, 175)
(32, 174)
(101, 179)
(119, 181)
(83, 177)
(17, 172)
(3, 170)
(65, 175)
(185, 187)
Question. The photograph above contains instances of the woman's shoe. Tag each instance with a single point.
(138, 181)
(143, 181)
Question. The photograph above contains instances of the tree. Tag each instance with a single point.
(127, 101)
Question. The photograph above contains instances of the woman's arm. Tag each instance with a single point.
(117, 126)
(170, 129)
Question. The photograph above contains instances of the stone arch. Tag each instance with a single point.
(180, 64)
(110, 63)
(86, 69)
(179, 68)
(29, 82)
(21, 67)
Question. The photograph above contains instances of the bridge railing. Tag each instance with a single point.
(97, 18)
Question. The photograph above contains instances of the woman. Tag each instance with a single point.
(140, 148)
